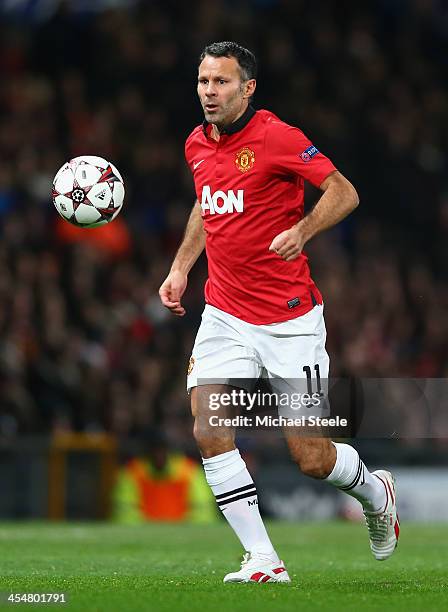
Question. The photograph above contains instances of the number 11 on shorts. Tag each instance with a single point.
(309, 383)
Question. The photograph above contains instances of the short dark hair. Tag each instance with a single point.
(244, 57)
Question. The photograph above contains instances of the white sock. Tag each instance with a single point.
(237, 499)
(351, 476)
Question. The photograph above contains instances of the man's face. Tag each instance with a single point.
(223, 95)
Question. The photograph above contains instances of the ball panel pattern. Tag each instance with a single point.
(100, 195)
(64, 181)
(64, 206)
(86, 175)
(87, 214)
(88, 191)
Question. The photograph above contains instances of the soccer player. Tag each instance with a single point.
(263, 312)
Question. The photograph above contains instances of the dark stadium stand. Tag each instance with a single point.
(85, 344)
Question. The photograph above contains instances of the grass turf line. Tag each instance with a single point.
(179, 568)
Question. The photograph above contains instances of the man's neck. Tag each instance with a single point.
(216, 131)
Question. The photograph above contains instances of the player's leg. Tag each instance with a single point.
(340, 465)
(233, 487)
(318, 457)
(219, 354)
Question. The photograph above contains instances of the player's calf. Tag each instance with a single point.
(211, 442)
(315, 457)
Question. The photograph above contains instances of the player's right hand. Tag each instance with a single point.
(171, 291)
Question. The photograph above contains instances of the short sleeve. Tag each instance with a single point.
(289, 151)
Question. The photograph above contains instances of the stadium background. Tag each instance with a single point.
(85, 345)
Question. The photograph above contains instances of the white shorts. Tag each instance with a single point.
(227, 348)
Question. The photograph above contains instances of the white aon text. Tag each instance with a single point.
(221, 202)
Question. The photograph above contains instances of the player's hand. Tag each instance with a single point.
(289, 244)
(171, 291)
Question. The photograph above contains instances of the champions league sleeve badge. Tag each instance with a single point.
(309, 153)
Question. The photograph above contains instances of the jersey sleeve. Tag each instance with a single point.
(289, 151)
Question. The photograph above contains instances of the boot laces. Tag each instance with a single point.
(377, 526)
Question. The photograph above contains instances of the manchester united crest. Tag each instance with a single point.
(190, 366)
(245, 159)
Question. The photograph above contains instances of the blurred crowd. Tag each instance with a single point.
(85, 343)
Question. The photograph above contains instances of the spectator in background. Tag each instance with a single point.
(162, 486)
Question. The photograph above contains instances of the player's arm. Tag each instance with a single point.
(193, 243)
(338, 200)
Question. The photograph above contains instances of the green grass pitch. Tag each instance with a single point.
(167, 568)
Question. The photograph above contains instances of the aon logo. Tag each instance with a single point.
(221, 202)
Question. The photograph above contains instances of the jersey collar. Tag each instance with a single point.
(236, 126)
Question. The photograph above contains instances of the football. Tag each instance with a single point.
(88, 191)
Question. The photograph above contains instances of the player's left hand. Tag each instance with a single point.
(289, 244)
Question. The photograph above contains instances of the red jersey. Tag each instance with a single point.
(250, 186)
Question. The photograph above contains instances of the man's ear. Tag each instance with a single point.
(250, 87)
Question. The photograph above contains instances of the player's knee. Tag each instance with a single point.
(210, 442)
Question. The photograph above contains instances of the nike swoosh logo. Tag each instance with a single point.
(197, 164)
